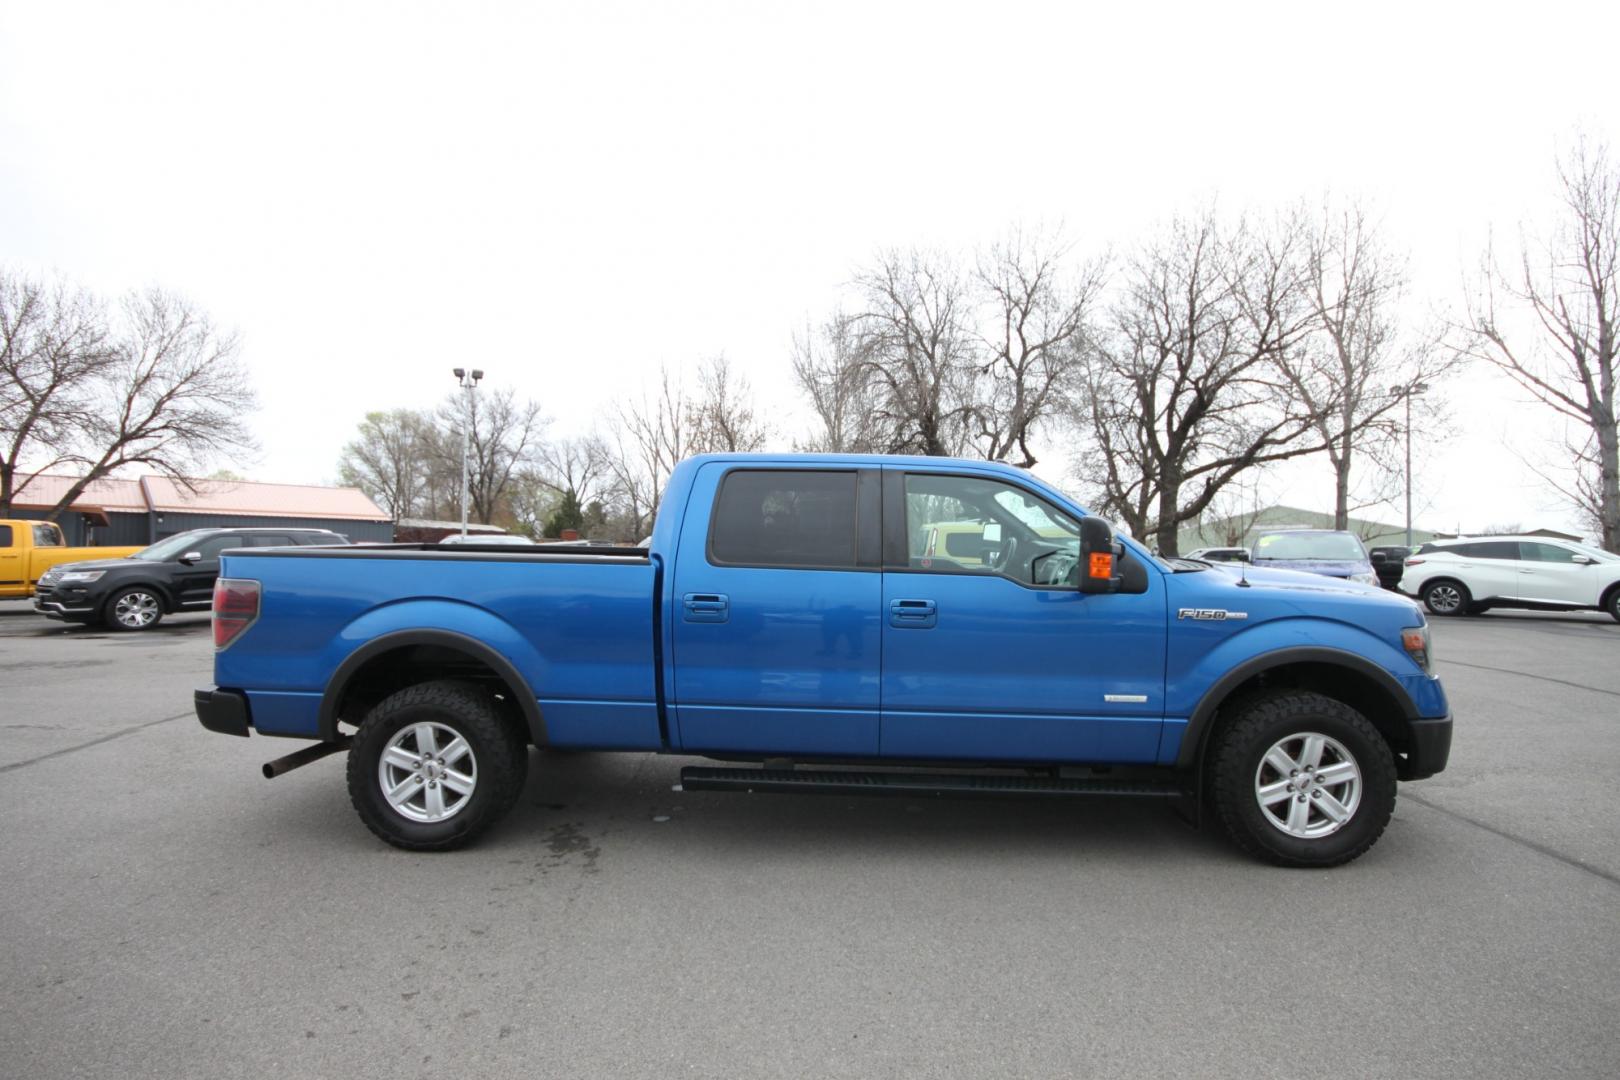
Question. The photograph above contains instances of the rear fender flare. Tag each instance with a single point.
(447, 639)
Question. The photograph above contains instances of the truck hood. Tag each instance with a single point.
(1339, 568)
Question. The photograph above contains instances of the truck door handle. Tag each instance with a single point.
(913, 614)
(707, 607)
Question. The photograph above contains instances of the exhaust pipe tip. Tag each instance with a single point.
(299, 758)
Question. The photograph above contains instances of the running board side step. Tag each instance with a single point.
(853, 782)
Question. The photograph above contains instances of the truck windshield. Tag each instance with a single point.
(1309, 546)
(177, 544)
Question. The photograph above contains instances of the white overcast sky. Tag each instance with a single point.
(570, 195)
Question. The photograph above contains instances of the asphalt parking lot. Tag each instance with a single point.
(169, 913)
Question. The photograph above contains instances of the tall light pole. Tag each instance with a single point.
(1408, 391)
(468, 383)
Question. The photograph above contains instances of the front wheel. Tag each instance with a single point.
(134, 609)
(434, 765)
(1302, 779)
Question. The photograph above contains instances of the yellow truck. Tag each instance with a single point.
(29, 548)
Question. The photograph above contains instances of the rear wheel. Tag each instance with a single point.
(1446, 597)
(138, 608)
(434, 765)
(1611, 603)
(1302, 779)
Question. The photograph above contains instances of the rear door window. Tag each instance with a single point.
(1496, 549)
(784, 518)
(270, 540)
(5, 535)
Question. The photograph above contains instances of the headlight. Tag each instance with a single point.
(1415, 640)
(1364, 579)
(80, 575)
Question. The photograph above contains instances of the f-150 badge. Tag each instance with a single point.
(1209, 614)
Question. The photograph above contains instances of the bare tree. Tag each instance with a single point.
(1353, 370)
(54, 348)
(916, 347)
(1568, 282)
(505, 436)
(580, 465)
(390, 460)
(831, 370)
(648, 439)
(1185, 391)
(723, 416)
(1033, 343)
(172, 399)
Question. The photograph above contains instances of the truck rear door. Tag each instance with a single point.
(776, 591)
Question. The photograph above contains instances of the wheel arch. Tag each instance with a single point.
(1344, 676)
(404, 658)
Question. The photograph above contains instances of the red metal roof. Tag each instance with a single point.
(244, 497)
(41, 492)
(260, 500)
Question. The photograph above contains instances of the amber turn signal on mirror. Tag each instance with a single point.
(1102, 565)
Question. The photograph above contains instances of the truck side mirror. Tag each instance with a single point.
(190, 558)
(1097, 572)
(1379, 558)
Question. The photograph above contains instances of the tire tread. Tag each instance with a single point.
(483, 720)
(1232, 782)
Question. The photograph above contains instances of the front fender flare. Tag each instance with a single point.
(1192, 740)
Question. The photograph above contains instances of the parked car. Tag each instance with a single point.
(172, 575)
(1220, 554)
(1387, 561)
(1328, 552)
(28, 549)
(789, 613)
(1469, 575)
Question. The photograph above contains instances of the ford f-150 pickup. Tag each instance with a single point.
(848, 624)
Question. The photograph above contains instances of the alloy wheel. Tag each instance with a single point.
(136, 610)
(1308, 785)
(428, 772)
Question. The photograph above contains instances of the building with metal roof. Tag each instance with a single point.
(143, 511)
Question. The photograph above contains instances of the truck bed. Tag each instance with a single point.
(577, 624)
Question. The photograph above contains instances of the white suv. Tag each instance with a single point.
(1470, 574)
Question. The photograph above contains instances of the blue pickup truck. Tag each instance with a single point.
(847, 624)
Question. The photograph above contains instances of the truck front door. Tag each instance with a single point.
(775, 612)
(990, 652)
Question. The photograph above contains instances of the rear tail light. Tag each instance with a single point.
(236, 607)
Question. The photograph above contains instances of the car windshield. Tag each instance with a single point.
(167, 549)
(1309, 546)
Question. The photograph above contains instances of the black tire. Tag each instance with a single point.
(1611, 603)
(1261, 723)
(1438, 597)
(120, 612)
(499, 750)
